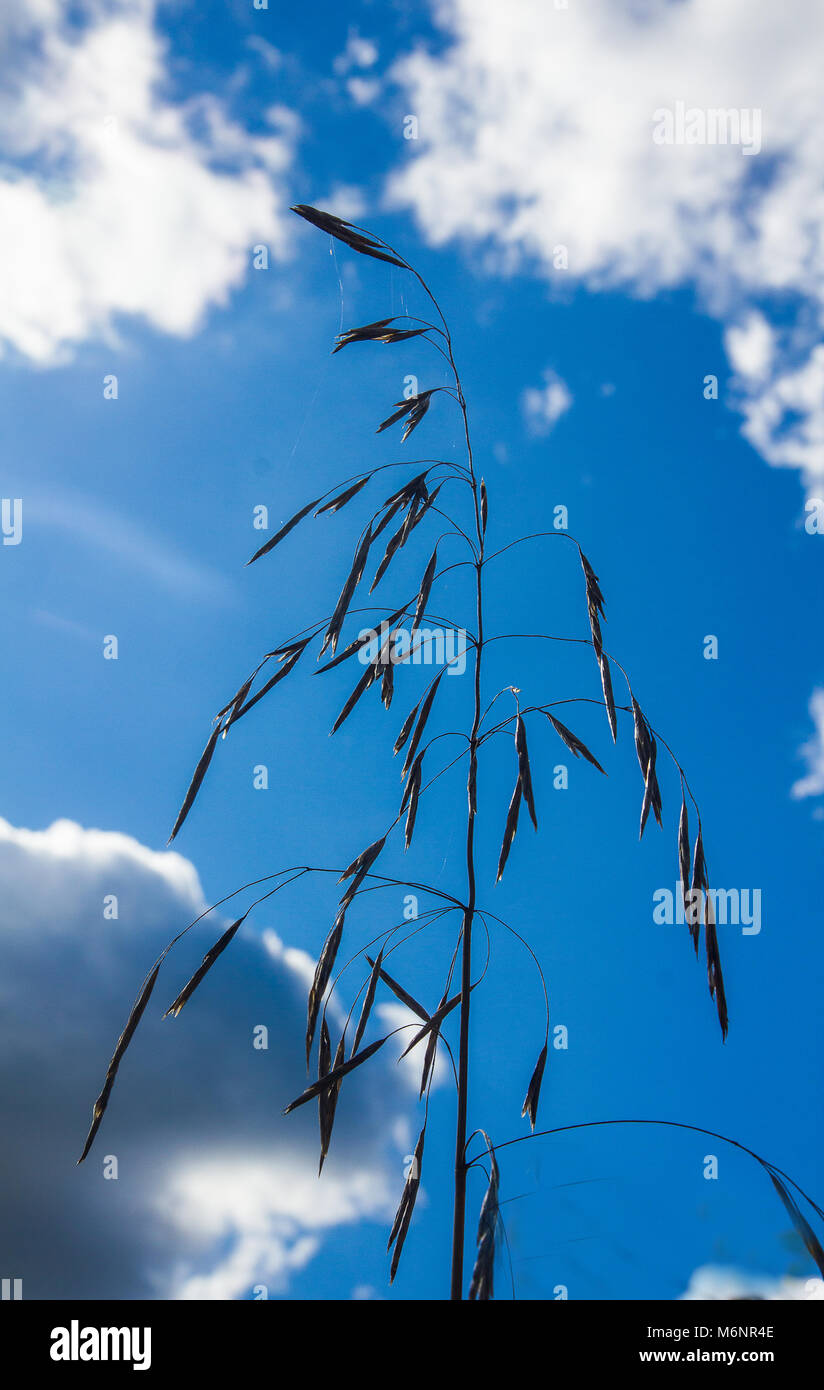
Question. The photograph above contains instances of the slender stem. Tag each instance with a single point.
(459, 1215)
(459, 1219)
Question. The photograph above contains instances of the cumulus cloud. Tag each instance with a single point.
(714, 1282)
(544, 405)
(813, 753)
(217, 1192)
(115, 199)
(536, 129)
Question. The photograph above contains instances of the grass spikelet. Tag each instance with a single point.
(289, 664)
(509, 829)
(203, 969)
(609, 698)
(406, 729)
(419, 501)
(412, 793)
(328, 1098)
(343, 497)
(715, 979)
(388, 679)
(352, 581)
(369, 999)
(378, 332)
(99, 1108)
(533, 1093)
(431, 1050)
(524, 773)
(347, 233)
(402, 994)
(368, 678)
(359, 868)
(333, 1077)
(324, 1067)
(197, 778)
(698, 884)
(684, 856)
(646, 748)
(426, 709)
(572, 741)
(444, 1008)
(357, 645)
(404, 493)
(323, 970)
(481, 1286)
(425, 590)
(800, 1222)
(284, 530)
(415, 407)
(595, 604)
(403, 1216)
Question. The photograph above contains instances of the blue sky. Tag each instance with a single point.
(131, 247)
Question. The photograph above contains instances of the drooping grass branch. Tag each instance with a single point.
(781, 1181)
(450, 491)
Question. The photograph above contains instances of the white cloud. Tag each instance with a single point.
(714, 1282)
(345, 200)
(358, 53)
(544, 405)
(750, 346)
(813, 752)
(784, 416)
(363, 90)
(536, 129)
(217, 1191)
(115, 199)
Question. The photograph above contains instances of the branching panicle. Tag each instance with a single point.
(407, 508)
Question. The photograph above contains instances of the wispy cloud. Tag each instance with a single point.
(129, 544)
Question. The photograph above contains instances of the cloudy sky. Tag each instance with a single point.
(638, 322)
